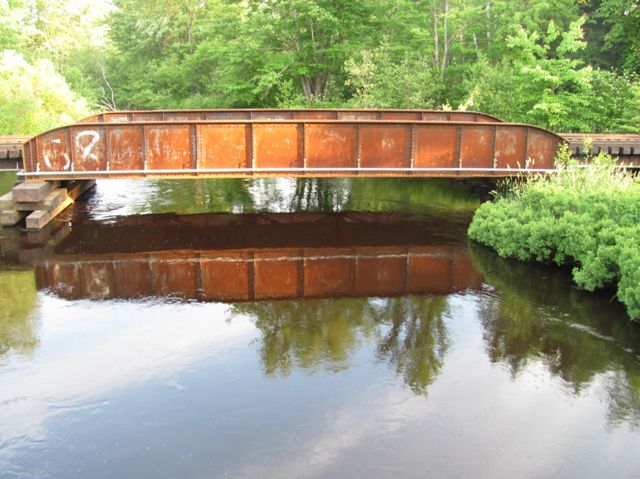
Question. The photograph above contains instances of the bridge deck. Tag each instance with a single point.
(626, 147)
(11, 152)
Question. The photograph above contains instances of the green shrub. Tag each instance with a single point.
(588, 217)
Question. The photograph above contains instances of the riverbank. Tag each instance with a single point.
(588, 218)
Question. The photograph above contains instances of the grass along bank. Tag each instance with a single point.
(588, 217)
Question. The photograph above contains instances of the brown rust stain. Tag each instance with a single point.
(125, 145)
(226, 278)
(385, 146)
(222, 146)
(510, 143)
(476, 147)
(330, 146)
(541, 149)
(168, 147)
(325, 277)
(435, 146)
(277, 146)
(276, 276)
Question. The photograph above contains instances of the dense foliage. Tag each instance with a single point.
(562, 64)
(586, 217)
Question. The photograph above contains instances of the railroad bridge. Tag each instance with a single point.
(268, 142)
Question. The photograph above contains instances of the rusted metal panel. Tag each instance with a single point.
(482, 118)
(147, 116)
(272, 115)
(435, 146)
(331, 145)
(97, 280)
(228, 278)
(541, 149)
(436, 116)
(428, 271)
(27, 157)
(277, 276)
(510, 143)
(401, 115)
(53, 151)
(358, 115)
(132, 279)
(382, 274)
(385, 146)
(329, 273)
(224, 146)
(184, 116)
(125, 147)
(315, 115)
(277, 145)
(168, 147)
(228, 115)
(63, 279)
(115, 117)
(174, 277)
(88, 152)
(476, 146)
(463, 116)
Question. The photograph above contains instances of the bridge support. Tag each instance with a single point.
(39, 202)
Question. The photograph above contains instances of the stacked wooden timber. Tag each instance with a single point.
(39, 202)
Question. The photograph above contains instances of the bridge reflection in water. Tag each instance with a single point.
(234, 258)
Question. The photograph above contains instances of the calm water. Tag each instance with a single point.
(302, 329)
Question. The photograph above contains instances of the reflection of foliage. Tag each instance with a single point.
(410, 195)
(308, 333)
(17, 300)
(200, 196)
(578, 336)
(7, 179)
(320, 194)
(416, 341)
(309, 194)
(410, 331)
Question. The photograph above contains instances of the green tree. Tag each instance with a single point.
(623, 37)
(34, 97)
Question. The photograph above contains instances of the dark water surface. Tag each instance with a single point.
(291, 329)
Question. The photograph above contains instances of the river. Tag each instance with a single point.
(310, 328)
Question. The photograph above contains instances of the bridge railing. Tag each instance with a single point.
(290, 114)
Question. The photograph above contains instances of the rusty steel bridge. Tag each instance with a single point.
(258, 143)
(242, 143)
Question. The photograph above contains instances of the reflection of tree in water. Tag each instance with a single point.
(198, 196)
(580, 337)
(382, 195)
(328, 195)
(416, 341)
(17, 301)
(410, 333)
(307, 194)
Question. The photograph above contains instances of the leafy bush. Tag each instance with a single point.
(588, 217)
